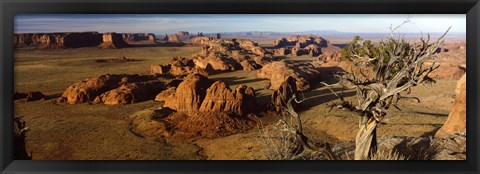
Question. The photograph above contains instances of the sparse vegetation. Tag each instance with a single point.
(214, 120)
(380, 74)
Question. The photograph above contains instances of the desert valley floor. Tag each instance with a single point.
(98, 131)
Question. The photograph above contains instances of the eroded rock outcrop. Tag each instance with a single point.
(88, 89)
(166, 95)
(151, 38)
(217, 56)
(216, 62)
(189, 94)
(57, 40)
(300, 45)
(198, 94)
(138, 36)
(129, 93)
(199, 108)
(220, 98)
(285, 92)
(456, 120)
(113, 41)
(112, 89)
(181, 66)
(201, 40)
(313, 50)
(330, 54)
(304, 73)
(174, 39)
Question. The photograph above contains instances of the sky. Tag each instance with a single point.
(212, 23)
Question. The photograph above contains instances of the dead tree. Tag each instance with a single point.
(295, 125)
(379, 74)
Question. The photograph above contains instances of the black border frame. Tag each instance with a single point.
(8, 8)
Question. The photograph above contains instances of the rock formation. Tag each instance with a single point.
(57, 40)
(180, 66)
(304, 73)
(217, 56)
(129, 93)
(166, 95)
(201, 40)
(197, 94)
(113, 41)
(112, 89)
(313, 50)
(220, 98)
(286, 91)
(216, 62)
(174, 39)
(183, 34)
(456, 120)
(89, 89)
(147, 37)
(189, 94)
(151, 38)
(280, 52)
(300, 45)
(77, 40)
(159, 69)
(329, 54)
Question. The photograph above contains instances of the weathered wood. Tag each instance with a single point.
(396, 66)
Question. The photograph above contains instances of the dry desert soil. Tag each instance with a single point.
(101, 132)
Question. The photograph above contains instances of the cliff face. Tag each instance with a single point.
(57, 40)
(113, 41)
(457, 119)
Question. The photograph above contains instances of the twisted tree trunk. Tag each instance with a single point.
(366, 141)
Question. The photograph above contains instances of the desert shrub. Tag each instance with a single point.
(380, 74)
(280, 145)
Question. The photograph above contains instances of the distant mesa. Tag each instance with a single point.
(69, 40)
(177, 38)
(108, 40)
(57, 40)
(147, 37)
(113, 41)
(201, 40)
(174, 39)
(183, 34)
